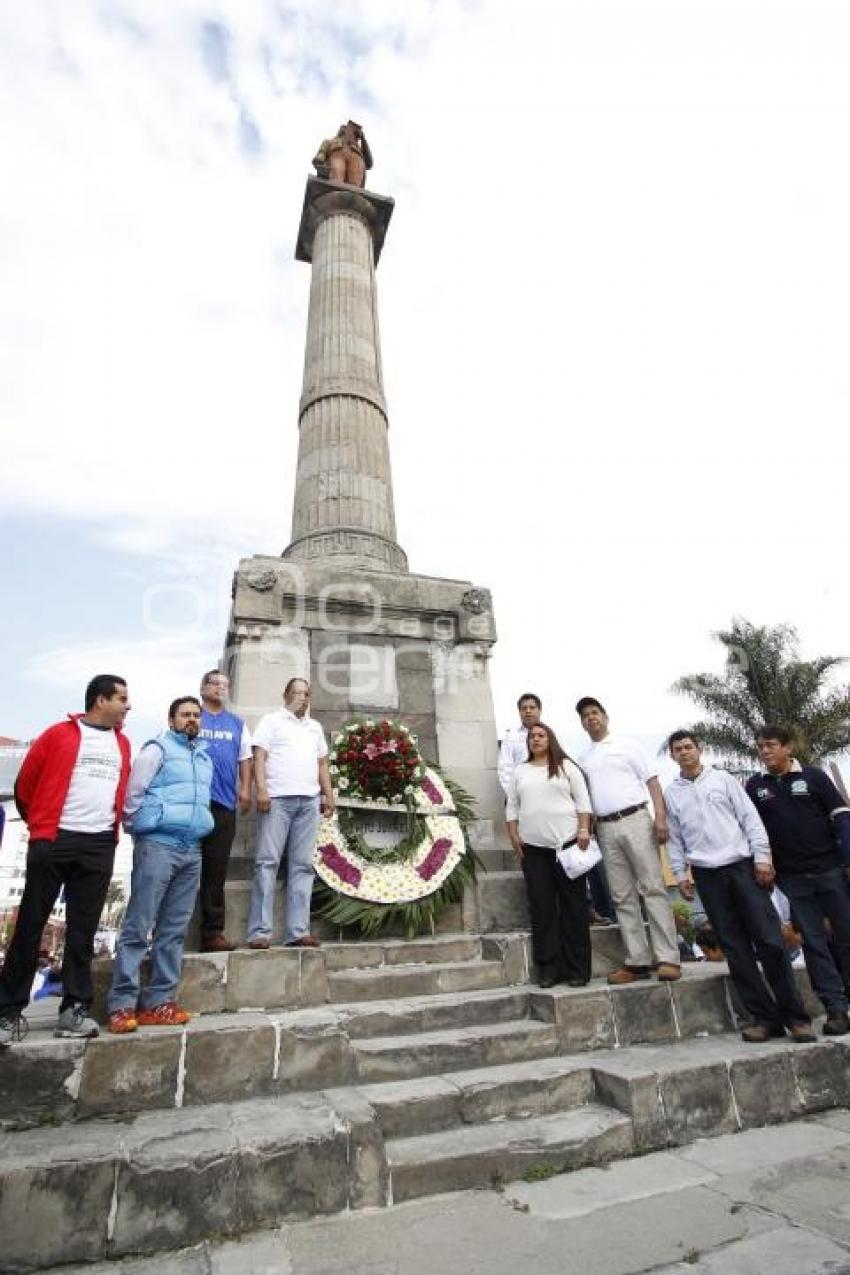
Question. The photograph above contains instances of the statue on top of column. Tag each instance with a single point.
(346, 157)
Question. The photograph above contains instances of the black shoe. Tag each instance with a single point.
(837, 1024)
(547, 980)
(577, 982)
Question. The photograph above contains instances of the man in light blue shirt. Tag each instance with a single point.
(714, 827)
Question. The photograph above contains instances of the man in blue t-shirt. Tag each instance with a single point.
(808, 825)
(229, 744)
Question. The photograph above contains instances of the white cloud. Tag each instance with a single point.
(157, 670)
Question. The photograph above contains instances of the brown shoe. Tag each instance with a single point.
(306, 940)
(802, 1033)
(258, 945)
(218, 943)
(668, 973)
(628, 974)
(760, 1033)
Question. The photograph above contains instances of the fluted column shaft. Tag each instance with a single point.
(343, 492)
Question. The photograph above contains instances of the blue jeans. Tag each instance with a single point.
(163, 890)
(815, 896)
(290, 826)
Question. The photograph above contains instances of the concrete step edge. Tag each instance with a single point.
(376, 973)
(497, 1152)
(502, 1133)
(456, 1035)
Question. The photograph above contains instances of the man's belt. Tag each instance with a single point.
(620, 814)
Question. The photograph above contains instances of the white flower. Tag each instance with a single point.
(338, 738)
(369, 724)
(408, 788)
(333, 770)
(343, 783)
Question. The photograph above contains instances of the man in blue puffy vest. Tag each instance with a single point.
(167, 810)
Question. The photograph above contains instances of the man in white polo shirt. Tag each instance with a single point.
(290, 771)
(620, 777)
(514, 748)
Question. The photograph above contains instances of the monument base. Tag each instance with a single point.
(373, 643)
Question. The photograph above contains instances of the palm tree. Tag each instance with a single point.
(766, 681)
(114, 905)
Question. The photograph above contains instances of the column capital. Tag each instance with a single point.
(323, 199)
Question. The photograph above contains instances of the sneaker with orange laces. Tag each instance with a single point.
(168, 1014)
(122, 1021)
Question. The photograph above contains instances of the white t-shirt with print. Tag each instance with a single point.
(90, 800)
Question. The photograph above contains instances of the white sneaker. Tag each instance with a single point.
(75, 1022)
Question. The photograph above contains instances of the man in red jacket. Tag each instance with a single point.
(70, 792)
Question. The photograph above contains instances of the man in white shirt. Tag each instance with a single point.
(619, 774)
(290, 771)
(715, 828)
(514, 748)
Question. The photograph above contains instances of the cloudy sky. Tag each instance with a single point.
(613, 305)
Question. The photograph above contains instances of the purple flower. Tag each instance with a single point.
(432, 792)
(435, 858)
(339, 865)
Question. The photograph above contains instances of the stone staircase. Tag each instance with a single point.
(360, 1075)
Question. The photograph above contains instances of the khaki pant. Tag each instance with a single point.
(634, 873)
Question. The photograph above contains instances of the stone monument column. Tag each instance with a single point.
(340, 606)
(343, 486)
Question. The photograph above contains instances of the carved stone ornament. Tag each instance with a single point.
(477, 601)
(262, 581)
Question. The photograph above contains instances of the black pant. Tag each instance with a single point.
(82, 862)
(745, 919)
(600, 895)
(560, 925)
(215, 856)
(814, 896)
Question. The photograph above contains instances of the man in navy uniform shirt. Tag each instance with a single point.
(808, 825)
(229, 745)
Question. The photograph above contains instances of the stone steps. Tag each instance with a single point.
(163, 1180)
(291, 978)
(225, 1057)
(535, 1087)
(433, 1013)
(428, 1053)
(366, 955)
(269, 1116)
(490, 1154)
(414, 980)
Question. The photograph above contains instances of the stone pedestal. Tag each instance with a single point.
(373, 642)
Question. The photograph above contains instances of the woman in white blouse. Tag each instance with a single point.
(549, 807)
